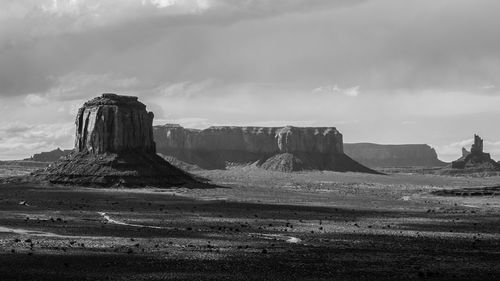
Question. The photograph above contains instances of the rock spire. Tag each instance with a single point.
(476, 160)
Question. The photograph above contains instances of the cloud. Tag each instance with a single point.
(35, 100)
(203, 123)
(185, 89)
(187, 6)
(255, 61)
(336, 90)
(75, 86)
(488, 87)
(294, 41)
(188, 122)
(20, 140)
(454, 148)
(70, 16)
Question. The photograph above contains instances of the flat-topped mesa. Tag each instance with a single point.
(393, 155)
(276, 148)
(269, 140)
(114, 146)
(114, 123)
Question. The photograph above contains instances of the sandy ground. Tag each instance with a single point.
(257, 225)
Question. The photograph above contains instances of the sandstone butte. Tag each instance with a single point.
(272, 148)
(114, 146)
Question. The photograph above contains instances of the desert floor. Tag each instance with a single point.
(257, 225)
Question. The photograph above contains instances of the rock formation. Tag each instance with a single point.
(114, 147)
(475, 160)
(49, 156)
(113, 123)
(279, 148)
(385, 155)
(465, 152)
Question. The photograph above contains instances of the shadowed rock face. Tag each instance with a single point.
(278, 148)
(385, 155)
(114, 147)
(250, 139)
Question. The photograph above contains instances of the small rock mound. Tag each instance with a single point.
(285, 162)
(114, 147)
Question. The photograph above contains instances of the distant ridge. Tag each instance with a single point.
(50, 156)
(393, 155)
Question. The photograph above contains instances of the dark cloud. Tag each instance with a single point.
(380, 45)
(45, 42)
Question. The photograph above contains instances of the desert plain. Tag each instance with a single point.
(252, 224)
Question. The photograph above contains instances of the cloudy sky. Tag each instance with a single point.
(383, 71)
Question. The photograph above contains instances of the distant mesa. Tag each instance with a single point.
(284, 149)
(114, 146)
(476, 159)
(393, 155)
(50, 156)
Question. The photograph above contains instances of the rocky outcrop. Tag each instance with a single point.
(114, 147)
(475, 160)
(384, 155)
(275, 148)
(49, 156)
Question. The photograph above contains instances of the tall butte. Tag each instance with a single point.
(114, 147)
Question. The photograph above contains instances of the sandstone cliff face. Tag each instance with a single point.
(114, 147)
(250, 139)
(381, 155)
(113, 123)
(278, 148)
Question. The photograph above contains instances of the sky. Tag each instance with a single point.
(381, 71)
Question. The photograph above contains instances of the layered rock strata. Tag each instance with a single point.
(114, 147)
(274, 148)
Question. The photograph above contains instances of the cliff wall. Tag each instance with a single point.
(276, 148)
(250, 139)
